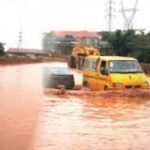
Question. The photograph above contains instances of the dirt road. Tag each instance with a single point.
(33, 120)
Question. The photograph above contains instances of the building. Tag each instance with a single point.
(61, 42)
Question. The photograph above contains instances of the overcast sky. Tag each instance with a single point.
(35, 17)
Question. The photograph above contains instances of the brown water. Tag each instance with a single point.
(20, 97)
(33, 120)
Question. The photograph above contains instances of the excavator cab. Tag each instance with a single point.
(76, 60)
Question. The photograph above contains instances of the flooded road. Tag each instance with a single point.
(33, 120)
(20, 97)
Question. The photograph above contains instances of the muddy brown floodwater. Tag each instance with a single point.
(30, 119)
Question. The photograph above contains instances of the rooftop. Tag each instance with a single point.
(77, 34)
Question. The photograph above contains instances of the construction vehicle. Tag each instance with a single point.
(76, 60)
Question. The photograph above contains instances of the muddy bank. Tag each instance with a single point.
(17, 60)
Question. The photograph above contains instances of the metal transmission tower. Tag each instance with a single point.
(128, 20)
(110, 14)
(20, 44)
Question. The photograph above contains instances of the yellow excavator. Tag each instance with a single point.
(76, 60)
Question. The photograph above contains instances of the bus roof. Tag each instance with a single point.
(111, 58)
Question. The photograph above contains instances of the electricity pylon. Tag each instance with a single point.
(128, 20)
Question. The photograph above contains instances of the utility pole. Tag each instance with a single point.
(110, 14)
(20, 44)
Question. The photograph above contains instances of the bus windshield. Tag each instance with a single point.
(124, 66)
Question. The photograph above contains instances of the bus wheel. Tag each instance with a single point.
(72, 62)
(106, 88)
(85, 83)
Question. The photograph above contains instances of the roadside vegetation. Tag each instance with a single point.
(134, 43)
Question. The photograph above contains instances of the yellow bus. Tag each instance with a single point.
(113, 72)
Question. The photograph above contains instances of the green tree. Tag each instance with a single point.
(105, 35)
(122, 41)
(2, 51)
(133, 42)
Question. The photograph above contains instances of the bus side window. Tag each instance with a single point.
(103, 68)
(86, 64)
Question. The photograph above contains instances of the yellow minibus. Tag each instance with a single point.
(113, 72)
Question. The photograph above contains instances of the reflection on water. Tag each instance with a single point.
(33, 120)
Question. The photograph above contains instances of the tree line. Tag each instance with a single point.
(134, 43)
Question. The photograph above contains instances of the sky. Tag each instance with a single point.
(35, 17)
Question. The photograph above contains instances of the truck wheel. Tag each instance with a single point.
(72, 62)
